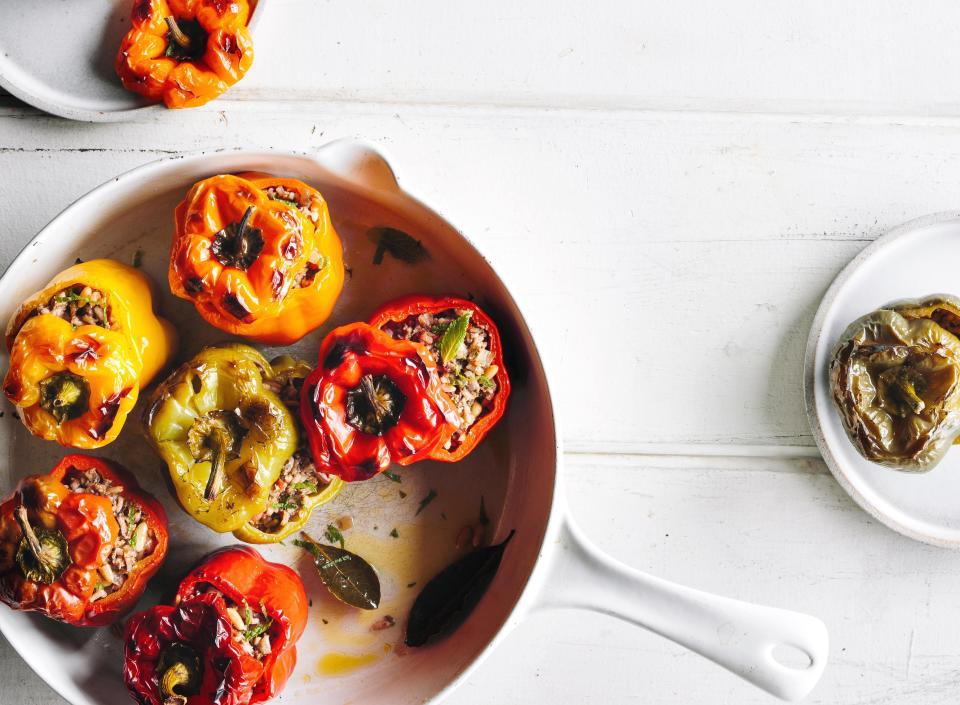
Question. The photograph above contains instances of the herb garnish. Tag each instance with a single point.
(392, 476)
(431, 495)
(137, 260)
(454, 336)
(398, 244)
(311, 487)
(333, 535)
(394, 533)
(485, 382)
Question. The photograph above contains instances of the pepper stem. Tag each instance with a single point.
(214, 436)
(20, 514)
(64, 395)
(373, 399)
(42, 554)
(218, 443)
(374, 405)
(177, 34)
(180, 673)
(908, 393)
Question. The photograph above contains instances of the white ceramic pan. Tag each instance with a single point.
(549, 563)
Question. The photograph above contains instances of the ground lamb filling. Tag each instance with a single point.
(249, 624)
(299, 478)
(306, 275)
(79, 305)
(469, 379)
(136, 540)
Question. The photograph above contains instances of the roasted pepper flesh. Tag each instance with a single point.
(94, 559)
(80, 351)
(185, 52)
(473, 374)
(257, 255)
(896, 383)
(372, 401)
(223, 434)
(229, 639)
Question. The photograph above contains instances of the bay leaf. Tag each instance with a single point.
(346, 575)
(398, 244)
(448, 599)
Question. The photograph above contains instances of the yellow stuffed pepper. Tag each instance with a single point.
(80, 351)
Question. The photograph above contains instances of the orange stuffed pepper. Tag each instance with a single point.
(185, 52)
(257, 255)
(80, 351)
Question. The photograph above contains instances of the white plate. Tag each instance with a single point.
(915, 259)
(59, 57)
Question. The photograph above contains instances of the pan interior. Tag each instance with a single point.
(340, 657)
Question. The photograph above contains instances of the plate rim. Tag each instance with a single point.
(41, 101)
(896, 233)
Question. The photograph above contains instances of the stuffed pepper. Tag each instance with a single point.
(228, 639)
(373, 401)
(79, 543)
(466, 347)
(302, 486)
(895, 380)
(224, 436)
(185, 52)
(81, 349)
(257, 255)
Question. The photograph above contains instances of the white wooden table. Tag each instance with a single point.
(687, 177)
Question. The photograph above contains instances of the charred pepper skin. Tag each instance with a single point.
(404, 307)
(107, 366)
(205, 50)
(416, 416)
(253, 264)
(217, 403)
(895, 381)
(228, 674)
(87, 523)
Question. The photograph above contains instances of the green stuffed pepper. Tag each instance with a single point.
(224, 435)
(895, 379)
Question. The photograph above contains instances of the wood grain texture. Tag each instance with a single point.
(680, 182)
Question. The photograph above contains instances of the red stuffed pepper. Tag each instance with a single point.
(373, 400)
(228, 639)
(466, 348)
(80, 543)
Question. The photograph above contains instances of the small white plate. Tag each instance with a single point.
(59, 57)
(915, 259)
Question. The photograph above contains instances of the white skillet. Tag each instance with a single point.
(549, 564)
(911, 261)
(59, 57)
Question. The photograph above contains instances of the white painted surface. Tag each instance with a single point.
(687, 178)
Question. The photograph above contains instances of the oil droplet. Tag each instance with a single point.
(339, 664)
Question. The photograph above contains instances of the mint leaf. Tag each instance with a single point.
(453, 337)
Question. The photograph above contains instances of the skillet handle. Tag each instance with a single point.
(739, 636)
(358, 163)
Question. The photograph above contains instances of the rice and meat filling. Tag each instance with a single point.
(249, 625)
(135, 540)
(469, 378)
(311, 208)
(299, 478)
(79, 305)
